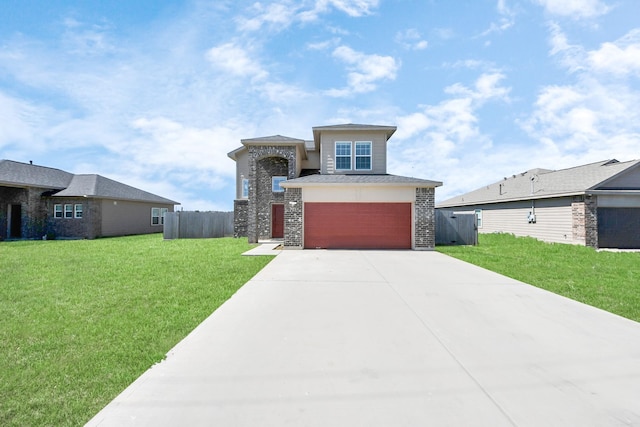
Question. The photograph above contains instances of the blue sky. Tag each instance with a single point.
(155, 93)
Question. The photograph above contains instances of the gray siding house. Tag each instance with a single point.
(332, 191)
(37, 201)
(596, 205)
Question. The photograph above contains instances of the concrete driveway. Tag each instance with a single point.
(391, 338)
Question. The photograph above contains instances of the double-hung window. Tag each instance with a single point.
(363, 155)
(57, 211)
(155, 216)
(343, 155)
(68, 211)
(77, 211)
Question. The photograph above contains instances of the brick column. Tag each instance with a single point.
(293, 218)
(424, 219)
(591, 221)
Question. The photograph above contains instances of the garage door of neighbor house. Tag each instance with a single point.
(357, 225)
(619, 228)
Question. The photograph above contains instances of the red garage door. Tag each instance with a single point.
(357, 225)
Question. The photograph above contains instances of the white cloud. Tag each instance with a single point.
(584, 117)
(365, 71)
(575, 9)
(620, 58)
(506, 19)
(411, 39)
(440, 141)
(353, 8)
(277, 15)
(236, 60)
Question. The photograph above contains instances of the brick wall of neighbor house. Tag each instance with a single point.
(591, 221)
(33, 211)
(266, 161)
(584, 218)
(293, 218)
(425, 232)
(9, 196)
(71, 228)
(240, 216)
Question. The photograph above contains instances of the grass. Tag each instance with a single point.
(80, 320)
(607, 280)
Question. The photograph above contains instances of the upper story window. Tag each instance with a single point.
(363, 155)
(275, 183)
(361, 160)
(245, 188)
(343, 155)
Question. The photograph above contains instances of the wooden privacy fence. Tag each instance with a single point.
(456, 228)
(197, 225)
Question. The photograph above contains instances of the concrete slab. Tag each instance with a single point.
(380, 338)
(272, 249)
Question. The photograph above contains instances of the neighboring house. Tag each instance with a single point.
(37, 201)
(596, 205)
(330, 192)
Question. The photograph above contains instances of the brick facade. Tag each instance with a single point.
(240, 217)
(293, 225)
(584, 220)
(591, 221)
(266, 161)
(424, 222)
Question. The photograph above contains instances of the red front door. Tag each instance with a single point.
(277, 221)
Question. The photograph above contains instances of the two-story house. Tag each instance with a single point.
(330, 192)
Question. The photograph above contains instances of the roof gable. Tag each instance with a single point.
(543, 183)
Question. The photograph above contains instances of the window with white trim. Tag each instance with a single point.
(57, 211)
(245, 188)
(343, 155)
(363, 155)
(275, 183)
(157, 215)
(77, 210)
(68, 211)
(479, 217)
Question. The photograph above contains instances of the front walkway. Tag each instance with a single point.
(391, 338)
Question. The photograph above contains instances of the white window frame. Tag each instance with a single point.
(155, 217)
(162, 212)
(363, 156)
(350, 156)
(57, 211)
(245, 188)
(77, 210)
(478, 213)
(68, 210)
(275, 183)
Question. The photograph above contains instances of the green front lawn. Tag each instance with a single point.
(82, 319)
(607, 280)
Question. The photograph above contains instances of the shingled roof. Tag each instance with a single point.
(100, 187)
(359, 179)
(544, 183)
(17, 174)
